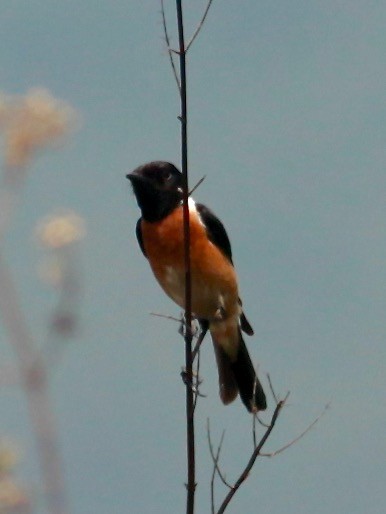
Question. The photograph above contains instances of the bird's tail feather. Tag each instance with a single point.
(237, 375)
(250, 388)
(228, 387)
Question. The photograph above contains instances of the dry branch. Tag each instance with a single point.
(170, 51)
(244, 474)
(200, 25)
(300, 436)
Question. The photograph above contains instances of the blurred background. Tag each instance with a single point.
(287, 121)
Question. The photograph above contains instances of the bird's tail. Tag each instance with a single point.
(236, 371)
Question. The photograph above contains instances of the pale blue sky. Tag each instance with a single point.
(288, 122)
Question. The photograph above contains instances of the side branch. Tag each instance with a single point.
(170, 51)
(300, 436)
(200, 25)
(215, 458)
(244, 475)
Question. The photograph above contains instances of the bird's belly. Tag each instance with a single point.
(207, 299)
(214, 287)
(213, 277)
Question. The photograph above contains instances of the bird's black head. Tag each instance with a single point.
(158, 189)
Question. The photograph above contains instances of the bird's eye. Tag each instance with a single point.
(166, 175)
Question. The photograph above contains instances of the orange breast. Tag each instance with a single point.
(214, 281)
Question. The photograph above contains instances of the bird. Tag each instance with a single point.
(215, 301)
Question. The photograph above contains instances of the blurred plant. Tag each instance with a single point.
(59, 235)
(29, 124)
(14, 498)
(61, 230)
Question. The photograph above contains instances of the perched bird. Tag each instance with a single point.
(215, 297)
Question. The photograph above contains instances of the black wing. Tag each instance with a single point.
(138, 231)
(215, 230)
(218, 235)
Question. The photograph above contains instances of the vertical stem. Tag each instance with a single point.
(191, 484)
(34, 382)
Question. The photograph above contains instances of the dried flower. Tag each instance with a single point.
(32, 122)
(61, 230)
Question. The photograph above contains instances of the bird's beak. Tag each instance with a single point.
(136, 178)
(131, 176)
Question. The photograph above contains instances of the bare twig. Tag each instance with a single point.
(272, 389)
(201, 337)
(300, 436)
(256, 415)
(197, 185)
(214, 458)
(166, 316)
(215, 467)
(244, 474)
(260, 421)
(254, 431)
(200, 25)
(181, 321)
(197, 383)
(170, 51)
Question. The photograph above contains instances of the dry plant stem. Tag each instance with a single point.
(254, 430)
(200, 25)
(34, 381)
(198, 344)
(196, 387)
(272, 389)
(197, 185)
(300, 436)
(191, 465)
(215, 459)
(166, 316)
(244, 475)
(170, 52)
(215, 467)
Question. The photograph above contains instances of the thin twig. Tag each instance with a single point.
(256, 415)
(170, 51)
(215, 467)
(254, 431)
(215, 461)
(260, 421)
(200, 25)
(272, 389)
(197, 185)
(244, 474)
(197, 382)
(166, 316)
(180, 321)
(300, 436)
(201, 337)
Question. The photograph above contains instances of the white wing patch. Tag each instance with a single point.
(193, 210)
